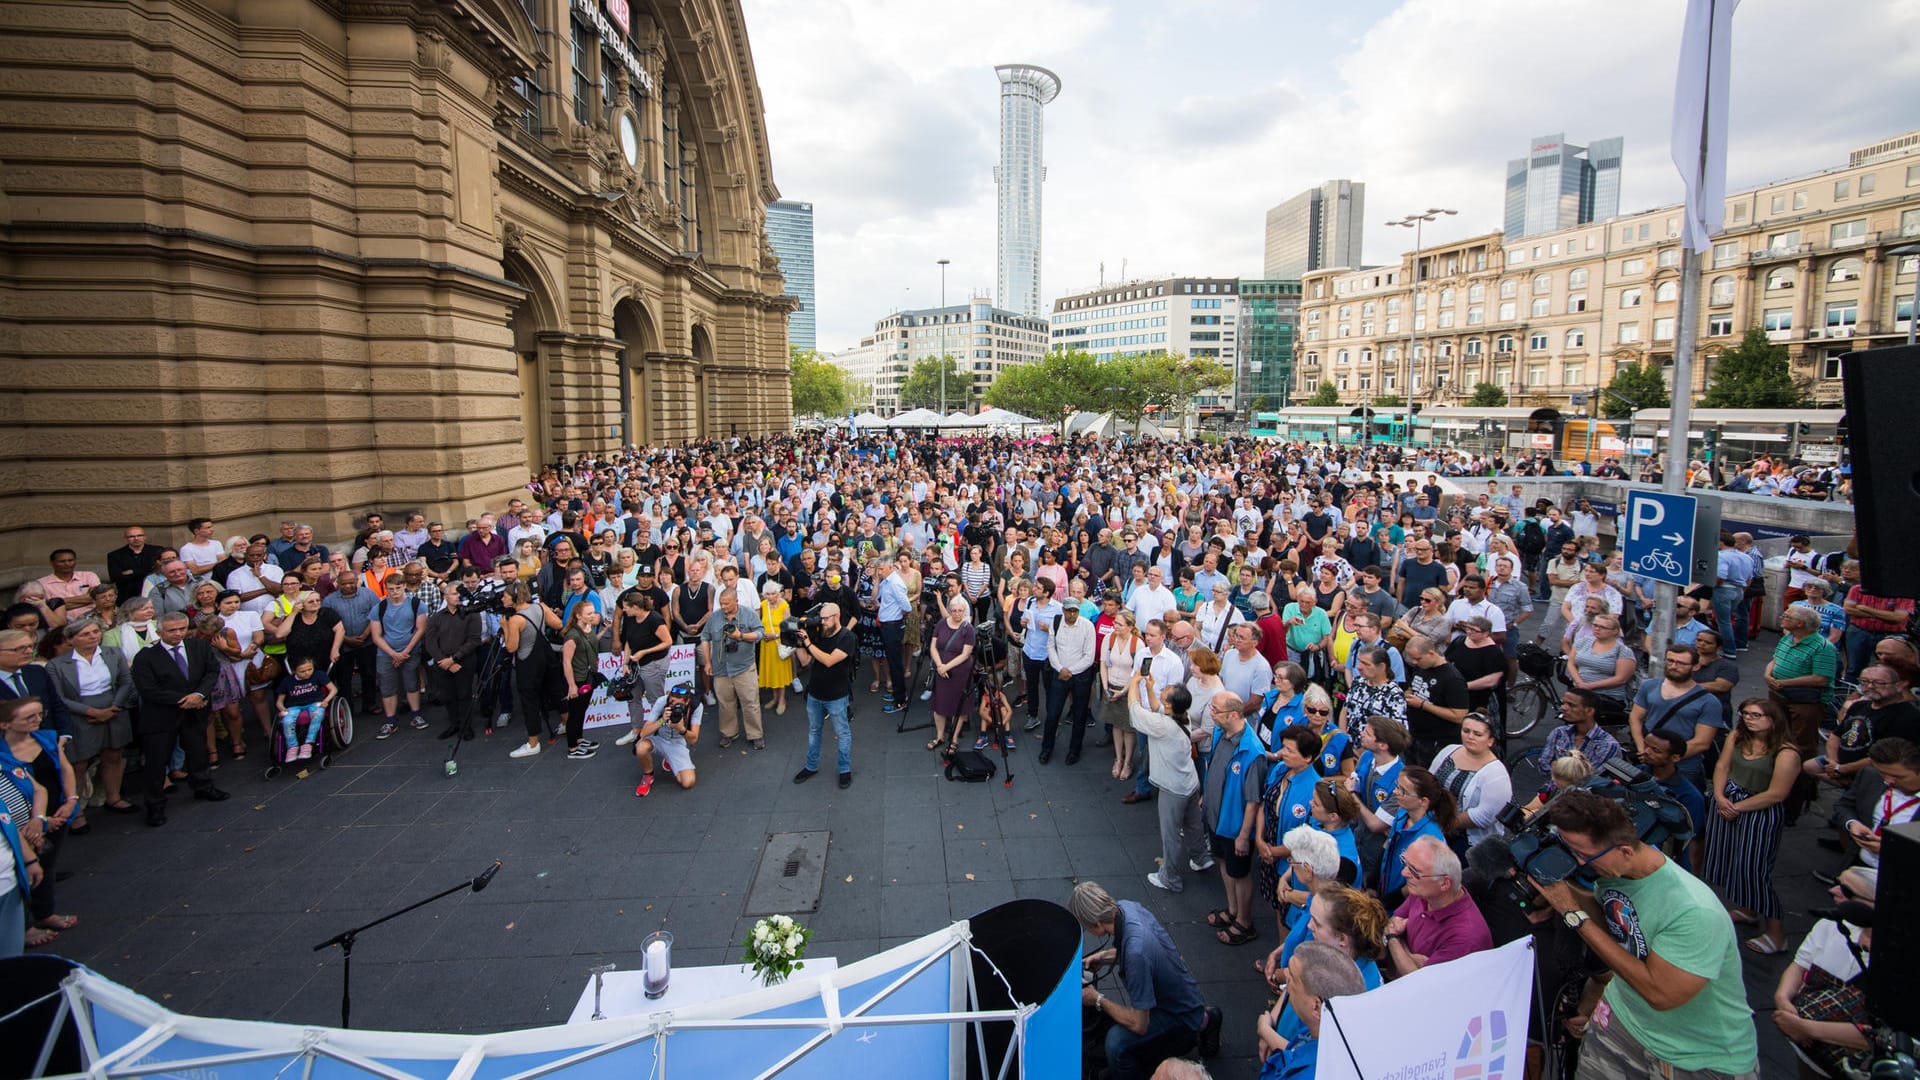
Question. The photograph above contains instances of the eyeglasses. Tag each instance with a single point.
(1311, 711)
(1410, 871)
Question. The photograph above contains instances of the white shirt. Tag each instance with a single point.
(244, 625)
(1149, 603)
(1071, 645)
(1893, 807)
(1168, 668)
(246, 580)
(1486, 609)
(95, 678)
(1208, 621)
(199, 553)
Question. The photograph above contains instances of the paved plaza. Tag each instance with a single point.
(217, 913)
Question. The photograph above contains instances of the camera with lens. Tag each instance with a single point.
(620, 687)
(1531, 850)
(794, 632)
(484, 596)
(729, 642)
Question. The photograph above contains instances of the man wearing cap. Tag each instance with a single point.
(729, 656)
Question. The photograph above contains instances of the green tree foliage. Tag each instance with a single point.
(1634, 386)
(922, 388)
(1263, 403)
(1389, 401)
(1046, 388)
(1324, 397)
(820, 388)
(1753, 375)
(1487, 396)
(1126, 386)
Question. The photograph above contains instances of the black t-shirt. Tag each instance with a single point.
(1417, 577)
(639, 635)
(1443, 686)
(440, 555)
(1901, 719)
(835, 682)
(316, 640)
(1476, 664)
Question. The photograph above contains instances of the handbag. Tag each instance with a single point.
(1399, 634)
(267, 673)
(1825, 998)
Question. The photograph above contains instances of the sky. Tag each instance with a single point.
(1180, 122)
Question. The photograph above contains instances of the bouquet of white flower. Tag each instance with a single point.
(775, 948)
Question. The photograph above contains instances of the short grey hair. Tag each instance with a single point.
(1318, 850)
(76, 627)
(1091, 905)
(1325, 972)
(1445, 863)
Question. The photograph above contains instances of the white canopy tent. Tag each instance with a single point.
(960, 420)
(916, 418)
(1007, 418)
(868, 420)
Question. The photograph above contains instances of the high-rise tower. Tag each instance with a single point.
(1559, 185)
(1318, 229)
(790, 231)
(1024, 91)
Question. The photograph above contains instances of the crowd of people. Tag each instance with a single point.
(1300, 658)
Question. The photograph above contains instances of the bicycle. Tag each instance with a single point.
(1661, 561)
(1534, 696)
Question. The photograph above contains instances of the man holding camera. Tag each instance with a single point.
(829, 691)
(669, 729)
(1677, 1004)
(729, 655)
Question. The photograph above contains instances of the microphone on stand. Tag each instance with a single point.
(486, 877)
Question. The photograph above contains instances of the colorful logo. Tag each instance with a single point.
(1483, 1048)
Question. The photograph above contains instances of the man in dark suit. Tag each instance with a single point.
(175, 677)
(18, 679)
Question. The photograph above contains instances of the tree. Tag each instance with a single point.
(1262, 403)
(1634, 386)
(1045, 388)
(1487, 396)
(1389, 401)
(820, 388)
(1324, 397)
(1753, 375)
(922, 388)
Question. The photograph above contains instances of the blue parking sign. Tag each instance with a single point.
(1657, 536)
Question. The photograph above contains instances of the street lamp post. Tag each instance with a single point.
(943, 337)
(1414, 222)
(1913, 316)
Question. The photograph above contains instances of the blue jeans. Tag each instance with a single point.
(817, 713)
(1726, 598)
(1135, 1057)
(1859, 646)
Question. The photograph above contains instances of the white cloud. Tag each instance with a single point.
(1178, 125)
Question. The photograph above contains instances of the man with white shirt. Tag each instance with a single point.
(202, 552)
(1167, 669)
(1036, 618)
(1243, 670)
(1153, 600)
(1070, 652)
(256, 580)
(1473, 601)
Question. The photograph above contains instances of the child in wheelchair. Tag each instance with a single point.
(303, 694)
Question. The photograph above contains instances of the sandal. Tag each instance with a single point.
(1743, 918)
(37, 937)
(58, 922)
(1219, 918)
(122, 807)
(1235, 934)
(934, 744)
(1765, 945)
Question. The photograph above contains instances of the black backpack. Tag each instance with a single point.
(972, 766)
(1533, 539)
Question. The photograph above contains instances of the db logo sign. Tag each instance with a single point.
(621, 15)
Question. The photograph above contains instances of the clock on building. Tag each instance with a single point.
(630, 139)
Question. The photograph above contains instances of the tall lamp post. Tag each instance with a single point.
(943, 338)
(1913, 316)
(1414, 222)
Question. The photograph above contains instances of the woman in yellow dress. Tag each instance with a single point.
(776, 671)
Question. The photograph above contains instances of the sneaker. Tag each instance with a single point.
(726, 741)
(418, 723)
(387, 730)
(581, 752)
(292, 754)
(893, 707)
(589, 744)
(628, 739)
(645, 786)
(1208, 1040)
(1154, 879)
(1200, 866)
(306, 751)
(712, 702)
(926, 695)
(1033, 724)
(981, 743)
(759, 744)
(502, 720)
(524, 750)
(1010, 745)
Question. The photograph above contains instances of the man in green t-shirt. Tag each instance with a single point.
(1677, 1003)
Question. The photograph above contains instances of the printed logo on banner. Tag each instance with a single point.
(1483, 1048)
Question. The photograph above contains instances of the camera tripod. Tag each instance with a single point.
(983, 686)
(489, 674)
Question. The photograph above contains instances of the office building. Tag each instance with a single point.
(1811, 261)
(1559, 185)
(1318, 229)
(982, 339)
(1196, 317)
(790, 231)
(1025, 90)
(1269, 312)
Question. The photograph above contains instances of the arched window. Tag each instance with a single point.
(1446, 296)
(1474, 346)
(1340, 357)
(1666, 292)
(1780, 277)
(1576, 339)
(1576, 278)
(1847, 269)
(1393, 354)
(1542, 283)
(1721, 290)
(1476, 292)
(1504, 343)
(1366, 356)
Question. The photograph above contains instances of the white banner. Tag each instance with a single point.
(1466, 1018)
(603, 711)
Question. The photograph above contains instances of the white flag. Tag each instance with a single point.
(1465, 1019)
(1699, 138)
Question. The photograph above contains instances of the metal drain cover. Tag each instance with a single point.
(793, 866)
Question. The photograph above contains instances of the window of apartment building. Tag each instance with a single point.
(1907, 265)
(1847, 232)
(1784, 243)
(1720, 291)
(1778, 204)
(1366, 356)
(1553, 249)
(1800, 199)
(1842, 189)
(1910, 223)
(1739, 212)
(1626, 234)
(1725, 254)
(1477, 292)
(1393, 324)
(1346, 312)
(1366, 310)
(1366, 380)
(1419, 320)
(1902, 312)
(1393, 306)
(1913, 176)
(1446, 350)
(1341, 357)
(1540, 308)
(1843, 270)
(1313, 317)
(1516, 256)
(1576, 303)
(1446, 317)
(1313, 335)
(1629, 333)
(1392, 355)
(1842, 317)
(1780, 277)
(1537, 341)
(1342, 330)
(1319, 290)
(1634, 265)
(1542, 283)
(1476, 316)
(1576, 339)
(1479, 260)
(1646, 230)
(1446, 296)
(1475, 346)
(1666, 292)
(1663, 329)
(1670, 257)
(1509, 311)
(1779, 318)
(1573, 374)
(1719, 326)
(1366, 328)
(1830, 365)
(1630, 298)
(1868, 183)
(1503, 343)
(1509, 289)
(1502, 375)
(1537, 375)
(1577, 278)
(582, 53)
(1340, 384)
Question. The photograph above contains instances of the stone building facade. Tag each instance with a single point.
(310, 258)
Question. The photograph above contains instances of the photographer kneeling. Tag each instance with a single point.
(1677, 1001)
(1163, 1015)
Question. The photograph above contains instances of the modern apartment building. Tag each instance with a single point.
(1559, 185)
(1269, 316)
(984, 340)
(790, 231)
(1195, 317)
(1025, 90)
(1810, 260)
(1318, 229)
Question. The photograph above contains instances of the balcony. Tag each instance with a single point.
(1780, 335)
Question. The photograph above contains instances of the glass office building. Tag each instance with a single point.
(1269, 313)
(1318, 229)
(1559, 185)
(790, 231)
(1024, 92)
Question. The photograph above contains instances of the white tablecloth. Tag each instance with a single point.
(622, 993)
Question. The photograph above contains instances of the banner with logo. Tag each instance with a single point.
(1462, 1020)
(603, 711)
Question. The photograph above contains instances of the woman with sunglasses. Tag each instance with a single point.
(1757, 769)
(1606, 665)
(1474, 775)
(1420, 804)
(1430, 620)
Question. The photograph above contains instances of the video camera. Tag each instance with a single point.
(794, 632)
(485, 596)
(620, 687)
(1535, 852)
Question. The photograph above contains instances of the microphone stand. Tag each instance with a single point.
(345, 938)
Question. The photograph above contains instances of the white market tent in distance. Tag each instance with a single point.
(867, 420)
(960, 420)
(1006, 418)
(916, 418)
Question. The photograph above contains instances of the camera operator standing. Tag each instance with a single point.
(730, 657)
(1677, 1001)
(452, 639)
(829, 691)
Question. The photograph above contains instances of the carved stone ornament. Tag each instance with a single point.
(513, 238)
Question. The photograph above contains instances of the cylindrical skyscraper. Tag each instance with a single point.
(1024, 90)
